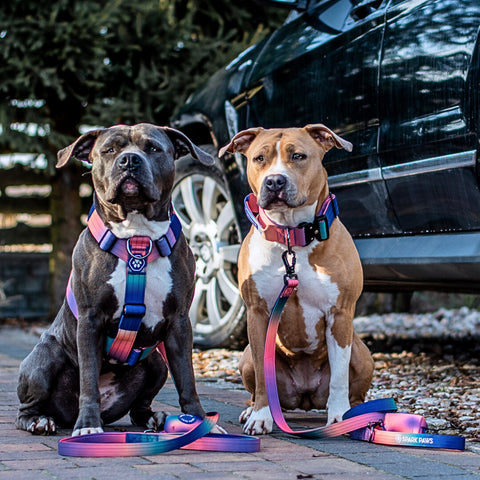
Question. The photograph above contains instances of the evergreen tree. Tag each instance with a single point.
(72, 64)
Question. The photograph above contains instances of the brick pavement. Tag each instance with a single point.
(23, 456)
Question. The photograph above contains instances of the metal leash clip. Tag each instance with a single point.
(372, 426)
(289, 265)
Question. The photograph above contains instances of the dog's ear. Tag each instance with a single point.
(241, 141)
(326, 138)
(183, 146)
(80, 148)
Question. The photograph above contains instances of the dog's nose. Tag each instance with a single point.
(129, 161)
(276, 182)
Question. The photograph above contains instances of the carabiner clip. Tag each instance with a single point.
(289, 266)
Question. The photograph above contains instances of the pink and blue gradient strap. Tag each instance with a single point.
(181, 431)
(373, 421)
(108, 242)
(139, 248)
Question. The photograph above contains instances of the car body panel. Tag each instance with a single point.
(427, 53)
(400, 80)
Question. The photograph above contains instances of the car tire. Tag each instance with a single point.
(202, 202)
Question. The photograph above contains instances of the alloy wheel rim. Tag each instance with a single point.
(208, 221)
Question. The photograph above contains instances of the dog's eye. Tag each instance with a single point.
(109, 150)
(259, 159)
(153, 148)
(298, 156)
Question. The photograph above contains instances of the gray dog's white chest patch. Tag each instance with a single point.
(158, 285)
(159, 279)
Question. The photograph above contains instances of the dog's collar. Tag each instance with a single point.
(303, 234)
(120, 247)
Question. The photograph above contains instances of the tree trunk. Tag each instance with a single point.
(65, 208)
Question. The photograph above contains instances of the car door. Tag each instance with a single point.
(428, 145)
(322, 67)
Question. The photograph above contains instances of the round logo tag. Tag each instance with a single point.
(136, 264)
(187, 418)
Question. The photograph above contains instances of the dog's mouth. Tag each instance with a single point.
(130, 187)
(279, 200)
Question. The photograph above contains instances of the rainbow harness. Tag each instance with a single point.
(137, 252)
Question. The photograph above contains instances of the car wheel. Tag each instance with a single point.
(203, 205)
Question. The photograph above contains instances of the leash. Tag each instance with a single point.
(374, 421)
(196, 436)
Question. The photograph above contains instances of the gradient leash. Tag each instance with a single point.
(374, 421)
(181, 431)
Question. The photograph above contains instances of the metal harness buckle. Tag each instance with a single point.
(139, 256)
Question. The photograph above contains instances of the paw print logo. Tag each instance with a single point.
(136, 264)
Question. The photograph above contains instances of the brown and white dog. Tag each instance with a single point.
(320, 361)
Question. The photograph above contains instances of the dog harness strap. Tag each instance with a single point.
(139, 248)
(301, 235)
(108, 242)
(191, 434)
(372, 421)
(137, 252)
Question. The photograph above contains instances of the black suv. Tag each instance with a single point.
(400, 80)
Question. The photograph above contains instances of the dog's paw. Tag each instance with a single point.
(218, 429)
(85, 431)
(257, 422)
(245, 415)
(335, 410)
(156, 422)
(42, 426)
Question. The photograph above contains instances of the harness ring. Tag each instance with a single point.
(139, 256)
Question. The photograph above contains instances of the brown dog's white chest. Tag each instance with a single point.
(316, 293)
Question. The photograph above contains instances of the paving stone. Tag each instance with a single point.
(24, 456)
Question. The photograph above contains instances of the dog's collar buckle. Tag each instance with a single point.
(317, 230)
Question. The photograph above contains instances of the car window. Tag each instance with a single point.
(335, 14)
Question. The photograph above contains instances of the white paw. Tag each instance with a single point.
(336, 407)
(156, 422)
(218, 429)
(43, 426)
(86, 431)
(245, 415)
(257, 422)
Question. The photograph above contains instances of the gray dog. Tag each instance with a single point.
(71, 378)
